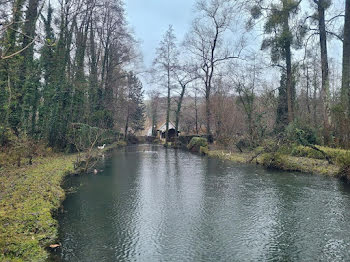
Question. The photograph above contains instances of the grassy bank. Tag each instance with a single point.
(28, 197)
(280, 161)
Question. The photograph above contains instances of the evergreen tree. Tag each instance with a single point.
(135, 112)
(280, 39)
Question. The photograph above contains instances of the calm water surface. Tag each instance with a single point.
(154, 204)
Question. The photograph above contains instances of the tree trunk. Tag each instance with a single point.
(288, 58)
(308, 91)
(28, 86)
(178, 110)
(282, 106)
(154, 125)
(93, 105)
(325, 72)
(345, 92)
(154, 112)
(315, 99)
(290, 91)
(126, 126)
(208, 113)
(13, 109)
(29, 28)
(196, 111)
(168, 108)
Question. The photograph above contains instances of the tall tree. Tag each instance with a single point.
(47, 64)
(184, 75)
(206, 42)
(10, 69)
(165, 63)
(153, 110)
(135, 107)
(321, 7)
(76, 77)
(280, 38)
(30, 80)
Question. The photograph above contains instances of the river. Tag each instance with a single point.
(155, 204)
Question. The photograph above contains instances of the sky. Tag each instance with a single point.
(150, 19)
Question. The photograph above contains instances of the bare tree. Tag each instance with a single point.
(320, 17)
(184, 75)
(206, 42)
(153, 110)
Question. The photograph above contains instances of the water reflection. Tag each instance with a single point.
(156, 204)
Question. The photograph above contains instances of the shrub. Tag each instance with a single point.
(343, 159)
(20, 148)
(301, 134)
(235, 143)
(226, 141)
(6, 136)
(344, 172)
(303, 151)
(121, 143)
(178, 144)
(242, 143)
(157, 141)
(132, 139)
(196, 143)
(339, 156)
(109, 137)
(274, 161)
(204, 150)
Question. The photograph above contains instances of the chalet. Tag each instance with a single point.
(161, 131)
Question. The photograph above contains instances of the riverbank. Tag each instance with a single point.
(29, 195)
(284, 162)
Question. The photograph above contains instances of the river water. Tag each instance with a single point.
(155, 204)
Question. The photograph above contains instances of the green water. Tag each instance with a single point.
(157, 204)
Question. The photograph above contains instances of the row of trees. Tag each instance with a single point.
(220, 59)
(67, 62)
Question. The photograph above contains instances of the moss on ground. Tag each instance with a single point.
(336, 154)
(281, 161)
(28, 197)
(314, 166)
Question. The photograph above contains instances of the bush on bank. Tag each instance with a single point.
(275, 161)
(196, 143)
(339, 156)
(204, 150)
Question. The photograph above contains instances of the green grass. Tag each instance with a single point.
(28, 196)
(280, 161)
